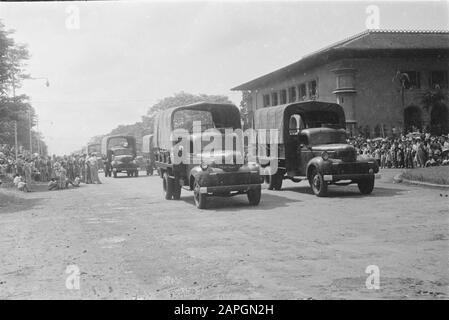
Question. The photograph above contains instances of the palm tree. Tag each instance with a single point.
(431, 98)
(402, 78)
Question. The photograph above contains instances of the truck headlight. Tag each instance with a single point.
(325, 155)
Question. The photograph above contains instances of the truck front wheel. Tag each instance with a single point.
(200, 198)
(366, 186)
(254, 196)
(167, 185)
(317, 183)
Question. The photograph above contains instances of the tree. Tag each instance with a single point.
(246, 113)
(14, 108)
(183, 98)
(13, 57)
(402, 79)
(432, 98)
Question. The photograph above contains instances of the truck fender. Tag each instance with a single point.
(316, 162)
(194, 173)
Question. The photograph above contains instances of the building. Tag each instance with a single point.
(386, 81)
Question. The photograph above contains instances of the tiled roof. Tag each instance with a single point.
(369, 40)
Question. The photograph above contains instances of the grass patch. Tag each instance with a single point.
(437, 175)
(11, 202)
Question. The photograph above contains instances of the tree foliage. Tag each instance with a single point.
(14, 107)
(431, 98)
(245, 110)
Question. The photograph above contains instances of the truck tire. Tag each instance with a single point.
(274, 181)
(366, 186)
(200, 198)
(254, 196)
(167, 185)
(176, 189)
(317, 183)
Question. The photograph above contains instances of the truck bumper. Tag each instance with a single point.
(121, 169)
(358, 176)
(239, 187)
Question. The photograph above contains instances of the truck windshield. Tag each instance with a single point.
(318, 119)
(93, 148)
(122, 152)
(336, 136)
(183, 119)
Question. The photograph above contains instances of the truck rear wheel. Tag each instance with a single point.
(316, 181)
(167, 185)
(254, 196)
(200, 198)
(366, 186)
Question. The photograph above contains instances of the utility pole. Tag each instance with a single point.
(15, 121)
(31, 135)
(38, 139)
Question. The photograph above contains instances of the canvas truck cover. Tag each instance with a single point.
(277, 117)
(223, 115)
(146, 143)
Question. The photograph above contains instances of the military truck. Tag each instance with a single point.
(205, 173)
(120, 154)
(312, 146)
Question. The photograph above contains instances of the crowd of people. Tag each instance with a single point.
(60, 172)
(413, 150)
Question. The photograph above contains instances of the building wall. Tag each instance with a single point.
(377, 99)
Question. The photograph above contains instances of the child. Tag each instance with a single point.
(22, 186)
(16, 180)
(52, 185)
(76, 182)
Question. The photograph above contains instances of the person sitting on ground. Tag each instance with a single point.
(16, 180)
(22, 186)
(76, 182)
(53, 184)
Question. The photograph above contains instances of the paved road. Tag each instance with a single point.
(130, 243)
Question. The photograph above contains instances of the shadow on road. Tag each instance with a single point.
(267, 202)
(126, 177)
(349, 191)
(10, 203)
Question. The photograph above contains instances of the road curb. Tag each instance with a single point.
(399, 179)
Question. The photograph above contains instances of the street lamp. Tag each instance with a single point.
(47, 83)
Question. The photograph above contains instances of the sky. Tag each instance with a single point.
(108, 62)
